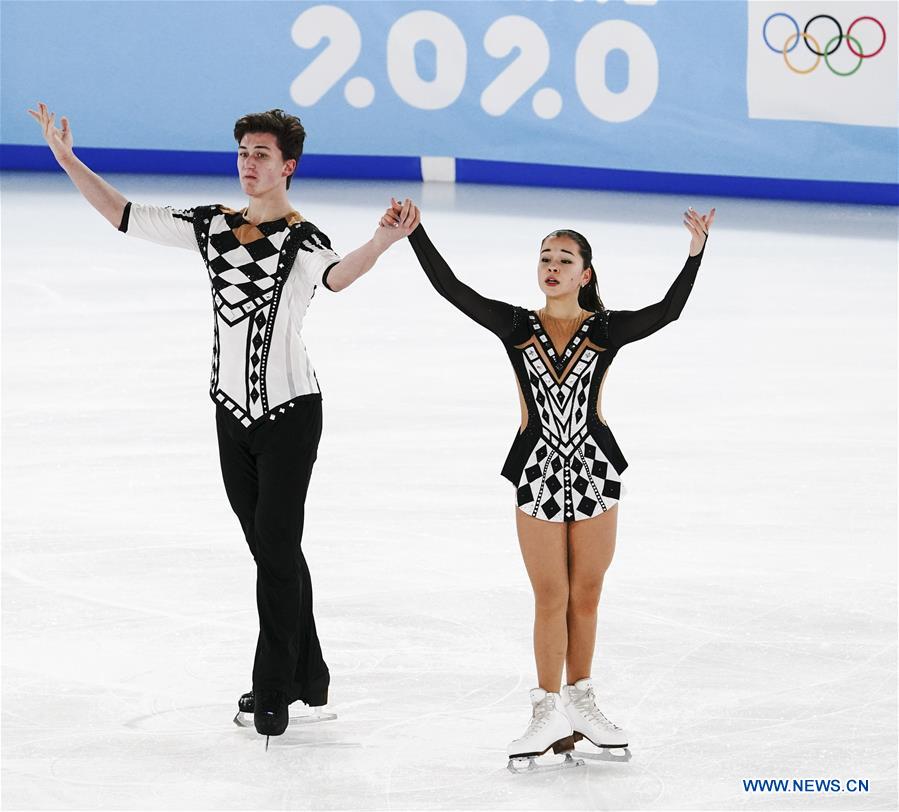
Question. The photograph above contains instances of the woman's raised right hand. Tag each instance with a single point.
(59, 139)
(403, 216)
(399, 221)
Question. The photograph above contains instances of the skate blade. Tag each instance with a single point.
(609, 754)
(243, 719)
(606, 752)
(528, 765)
(312, 718)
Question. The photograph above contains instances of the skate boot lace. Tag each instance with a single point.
(586, 704)
(539, 717)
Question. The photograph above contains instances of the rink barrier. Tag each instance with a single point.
(190, 162)
(626, 180)
(466, 170)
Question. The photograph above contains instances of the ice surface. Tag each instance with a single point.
(748, 624)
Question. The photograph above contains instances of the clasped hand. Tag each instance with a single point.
(398, 221)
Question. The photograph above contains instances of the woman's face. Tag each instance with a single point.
(560, 269)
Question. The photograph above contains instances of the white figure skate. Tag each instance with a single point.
(589, 722)
(246, 705)
(549, 728)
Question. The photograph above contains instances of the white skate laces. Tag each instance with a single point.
(588, 721)
(540, 713)
(584, 699)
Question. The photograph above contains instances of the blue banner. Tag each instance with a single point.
(651, 95)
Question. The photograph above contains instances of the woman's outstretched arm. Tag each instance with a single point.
(498, 317)
(626, 326)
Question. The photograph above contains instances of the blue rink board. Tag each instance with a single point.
(390, 167)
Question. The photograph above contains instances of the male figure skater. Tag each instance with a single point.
(264, 263)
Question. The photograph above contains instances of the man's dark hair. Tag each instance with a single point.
(286, 128)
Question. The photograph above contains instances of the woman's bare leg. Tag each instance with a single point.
(544, 547)
(591, 545)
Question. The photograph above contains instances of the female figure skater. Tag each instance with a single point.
(564, 462)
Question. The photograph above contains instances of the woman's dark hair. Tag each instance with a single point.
(286, 128)
(588, 297)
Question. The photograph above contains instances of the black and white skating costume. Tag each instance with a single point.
(564, 461)
(269, 413)
(263, 278)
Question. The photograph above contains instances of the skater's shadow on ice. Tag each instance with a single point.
(192, 718)
(284, 744)
(175, 720)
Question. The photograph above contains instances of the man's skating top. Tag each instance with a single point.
(263, 278)
(560, 389)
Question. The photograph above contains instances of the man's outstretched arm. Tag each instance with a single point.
(105, 198)
(358, 262)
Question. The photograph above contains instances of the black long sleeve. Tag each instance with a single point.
(498, 317)
(626, 326)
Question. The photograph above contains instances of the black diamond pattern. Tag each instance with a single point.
(219, 265)
(567, 478)
(612, 489)
(261, 249)
(249, 289)
(245, 274)
(224, 241)
(253, 272)
(550, 508)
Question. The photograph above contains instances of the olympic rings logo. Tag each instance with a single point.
(814, 46)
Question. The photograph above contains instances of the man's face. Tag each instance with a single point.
(261, 165)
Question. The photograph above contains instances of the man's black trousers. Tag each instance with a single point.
(266, 470)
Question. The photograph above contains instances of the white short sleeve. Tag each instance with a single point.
(314, 257)
(160, 224)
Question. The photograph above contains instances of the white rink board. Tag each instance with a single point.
(748, 625)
